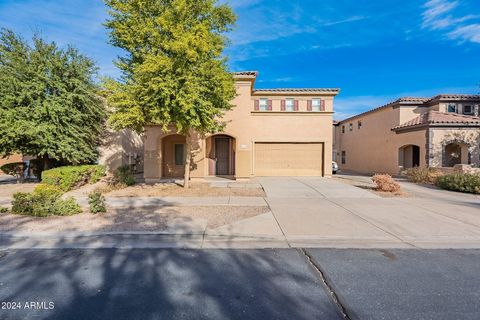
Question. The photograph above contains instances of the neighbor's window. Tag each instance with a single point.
(343, 129)
(452, 108)
(179, 154)
(467, 110)
(316, 105)
(350, 126)
(360, 124)
(344, 157)
(263, 105)
(289, 105)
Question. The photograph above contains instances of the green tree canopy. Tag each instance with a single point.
(174, 72)
(49, 106)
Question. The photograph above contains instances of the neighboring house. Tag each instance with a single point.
(274, 132)
(426, 132)
(11, 159)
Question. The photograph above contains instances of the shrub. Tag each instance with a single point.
(423, 175)
(124, 175)
(463, 182)
(385, 183)
(44, 201)
(97, 202)
(73, 177)
(15, 169)
(3, 210)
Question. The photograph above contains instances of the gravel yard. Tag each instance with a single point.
(131, 219)
(197, 189)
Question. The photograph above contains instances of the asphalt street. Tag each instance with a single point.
(239, 284)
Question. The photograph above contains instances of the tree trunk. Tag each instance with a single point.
(188, 160)
(45, 162)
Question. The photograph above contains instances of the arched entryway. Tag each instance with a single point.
(173, 156)
(409, 156)
(220, 154)
(455, 153)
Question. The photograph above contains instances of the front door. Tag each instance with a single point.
(222, 154)
(416, 156)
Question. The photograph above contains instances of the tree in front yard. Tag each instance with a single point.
(49, 106)
(174, 74)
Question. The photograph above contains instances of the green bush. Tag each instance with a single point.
(72, 177)
(44, 201)
(124, 175)
(96, 200)
(423, 175)
(15, 169)
(463, 182)
(3, 210)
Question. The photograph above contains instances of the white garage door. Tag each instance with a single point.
(288, 159)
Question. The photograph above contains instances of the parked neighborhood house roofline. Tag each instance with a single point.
(422, 102)
(252, 75)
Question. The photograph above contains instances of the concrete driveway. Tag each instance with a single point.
(320, 212)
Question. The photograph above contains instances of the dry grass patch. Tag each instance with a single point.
(197, 189)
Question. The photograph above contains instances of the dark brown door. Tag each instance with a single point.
(222, 153)
(416, 156)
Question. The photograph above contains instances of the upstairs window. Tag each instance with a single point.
(350, 126)
(316, 105)
(467, 110)
(360, 124)
(452, 108)
(289, 105)
(343, 129)
(263, 105)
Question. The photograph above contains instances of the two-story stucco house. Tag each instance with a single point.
(426, 132)
(274, 132)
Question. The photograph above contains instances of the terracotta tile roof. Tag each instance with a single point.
(435, 117)
(404, 100)
(296, 90)
(246, 73)
(455, 97)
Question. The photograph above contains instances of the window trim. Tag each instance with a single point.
(286, 104)
(471, 110)
(319, 104)
(455, 108)
(260, 104)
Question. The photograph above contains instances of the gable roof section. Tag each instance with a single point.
(435, 118)
(398, 102)
(454, 97)
(286, 91)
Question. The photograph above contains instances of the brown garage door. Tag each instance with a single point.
(288, 159)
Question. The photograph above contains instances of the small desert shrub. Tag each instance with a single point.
(423, 175)
(15, 169)
(3, 210)
(385, 183)
(96, 200)
(44, 201)
(73, 177)
(463, 182)
(124, 175)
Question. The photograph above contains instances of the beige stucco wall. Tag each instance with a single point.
(375, 148)
(439, 137)
(247, 126)
(119, 148)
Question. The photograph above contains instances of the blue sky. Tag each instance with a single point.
(374, 50)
